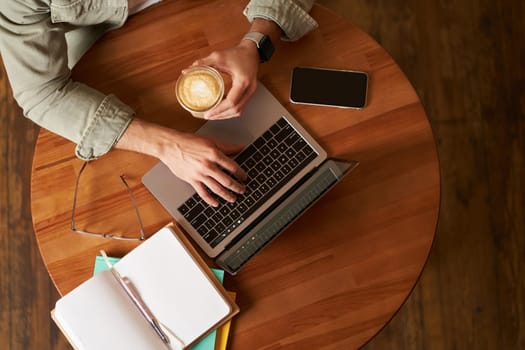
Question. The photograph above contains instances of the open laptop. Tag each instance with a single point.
(287, 172)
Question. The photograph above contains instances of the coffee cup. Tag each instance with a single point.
(199, 89)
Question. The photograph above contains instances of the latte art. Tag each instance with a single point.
(199, 89)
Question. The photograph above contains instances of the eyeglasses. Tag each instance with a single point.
(106, 235)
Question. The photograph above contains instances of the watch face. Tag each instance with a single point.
(266, 48)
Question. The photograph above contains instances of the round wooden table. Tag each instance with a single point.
(335, 277)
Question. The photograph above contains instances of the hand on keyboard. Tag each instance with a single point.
(200, 161)
(270, 161)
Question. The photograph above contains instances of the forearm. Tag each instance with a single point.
(147, 138)
(35, 53)
(200, 161)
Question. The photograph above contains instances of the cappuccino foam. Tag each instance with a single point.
(199, 90)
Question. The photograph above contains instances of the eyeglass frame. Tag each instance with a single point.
(106, 235)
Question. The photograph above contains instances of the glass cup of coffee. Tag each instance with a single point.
(199, 89)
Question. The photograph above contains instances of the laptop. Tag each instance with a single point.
(288, 171)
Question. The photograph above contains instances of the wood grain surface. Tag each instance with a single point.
(465, 61)
(339, 273)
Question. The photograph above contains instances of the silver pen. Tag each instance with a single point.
(130, 290)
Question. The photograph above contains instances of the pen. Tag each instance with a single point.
(130, 290)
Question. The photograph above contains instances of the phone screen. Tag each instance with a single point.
(330, 87)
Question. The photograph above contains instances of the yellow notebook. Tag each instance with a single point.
(221, 339)
(173, 281)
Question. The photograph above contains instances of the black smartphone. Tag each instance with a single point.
(329, 87)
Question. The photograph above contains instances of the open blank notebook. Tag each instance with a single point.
(172, 280)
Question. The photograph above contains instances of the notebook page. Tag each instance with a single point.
(99, 315)
(173, 286)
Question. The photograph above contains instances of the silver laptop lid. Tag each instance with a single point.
(261, 112)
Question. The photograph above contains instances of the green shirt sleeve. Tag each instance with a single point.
(290, 15)
(35, 54)
(34, 50)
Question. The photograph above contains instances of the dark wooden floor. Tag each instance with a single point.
(466, 60)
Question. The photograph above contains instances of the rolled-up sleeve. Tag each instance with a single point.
(34, 52)
(290, 15)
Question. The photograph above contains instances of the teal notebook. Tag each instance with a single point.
(207, 343)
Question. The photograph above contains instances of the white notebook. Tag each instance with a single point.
(172, 280)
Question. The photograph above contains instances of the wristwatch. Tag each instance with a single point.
(263, 43)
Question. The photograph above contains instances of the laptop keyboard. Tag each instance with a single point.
(270, 161)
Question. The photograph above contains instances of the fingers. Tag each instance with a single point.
(221, 184)
(212, 60)
(204, 194)
(229, 164)
(241, 64)
(234, 102)
(214, 187)
(224, 186)
(223, 177)
(217, 176)
(202, 162)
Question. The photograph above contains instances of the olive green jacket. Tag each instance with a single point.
(41, 40)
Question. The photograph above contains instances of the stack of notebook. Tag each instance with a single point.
(216, 340)
(160, 295)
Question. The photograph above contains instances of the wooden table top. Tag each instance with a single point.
(338, 274)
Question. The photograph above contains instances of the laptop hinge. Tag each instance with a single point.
(279, 216)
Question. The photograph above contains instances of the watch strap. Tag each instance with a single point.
(254, 36)
(263, 43)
